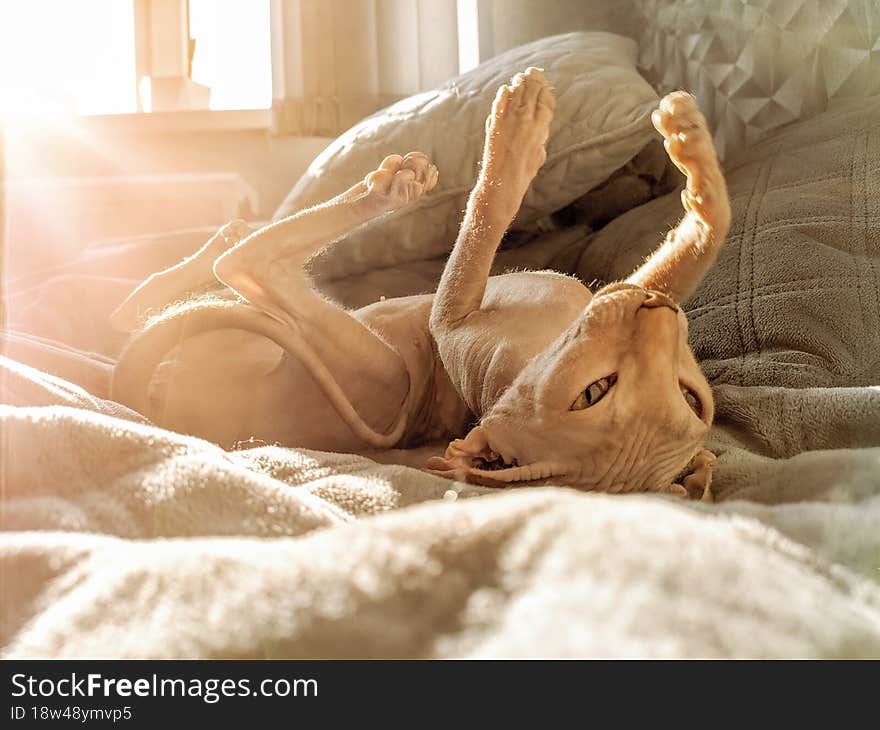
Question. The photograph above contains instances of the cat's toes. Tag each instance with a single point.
(683, 126)
(689, 145)
(517, 130)
(235, 230)
(399, 180)
(698, 482)
(425, 171)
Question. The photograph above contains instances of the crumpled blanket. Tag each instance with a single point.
(124, 540)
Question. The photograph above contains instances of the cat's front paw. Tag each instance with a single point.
(689, 145)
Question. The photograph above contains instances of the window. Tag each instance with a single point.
(59, 57)
(88, 57)
(232, 52)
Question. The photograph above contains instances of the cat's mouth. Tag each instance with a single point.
(495, 464)
(498, 473)
(491, 468)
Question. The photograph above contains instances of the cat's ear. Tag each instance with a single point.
(697, 483)
(461, 455)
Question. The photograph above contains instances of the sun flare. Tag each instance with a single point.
(59, 59)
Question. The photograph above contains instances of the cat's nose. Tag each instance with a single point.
(654, 299)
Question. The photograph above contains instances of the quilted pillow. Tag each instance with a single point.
(602, 121)
(757, 66)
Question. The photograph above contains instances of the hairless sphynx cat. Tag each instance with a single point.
(533, 378)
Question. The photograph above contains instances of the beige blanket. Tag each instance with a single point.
(125, 540)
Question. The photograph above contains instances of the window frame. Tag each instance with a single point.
(162, 43)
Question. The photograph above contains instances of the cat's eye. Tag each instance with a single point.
(593, 393)
(692, 400)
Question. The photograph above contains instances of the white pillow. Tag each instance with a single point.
(602, 121)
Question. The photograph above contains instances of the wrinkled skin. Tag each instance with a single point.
(598, 391)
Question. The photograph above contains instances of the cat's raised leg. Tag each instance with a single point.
(690, 249)
(516, 133)
(366, 378)
(179, 281)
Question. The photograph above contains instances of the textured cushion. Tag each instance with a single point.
(602, 121)
(756, 66)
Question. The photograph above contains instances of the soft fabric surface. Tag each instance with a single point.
(787, 324)
(125, 540)
(601, 122)
(70, 303)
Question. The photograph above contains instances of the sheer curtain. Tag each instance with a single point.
(337, 61)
